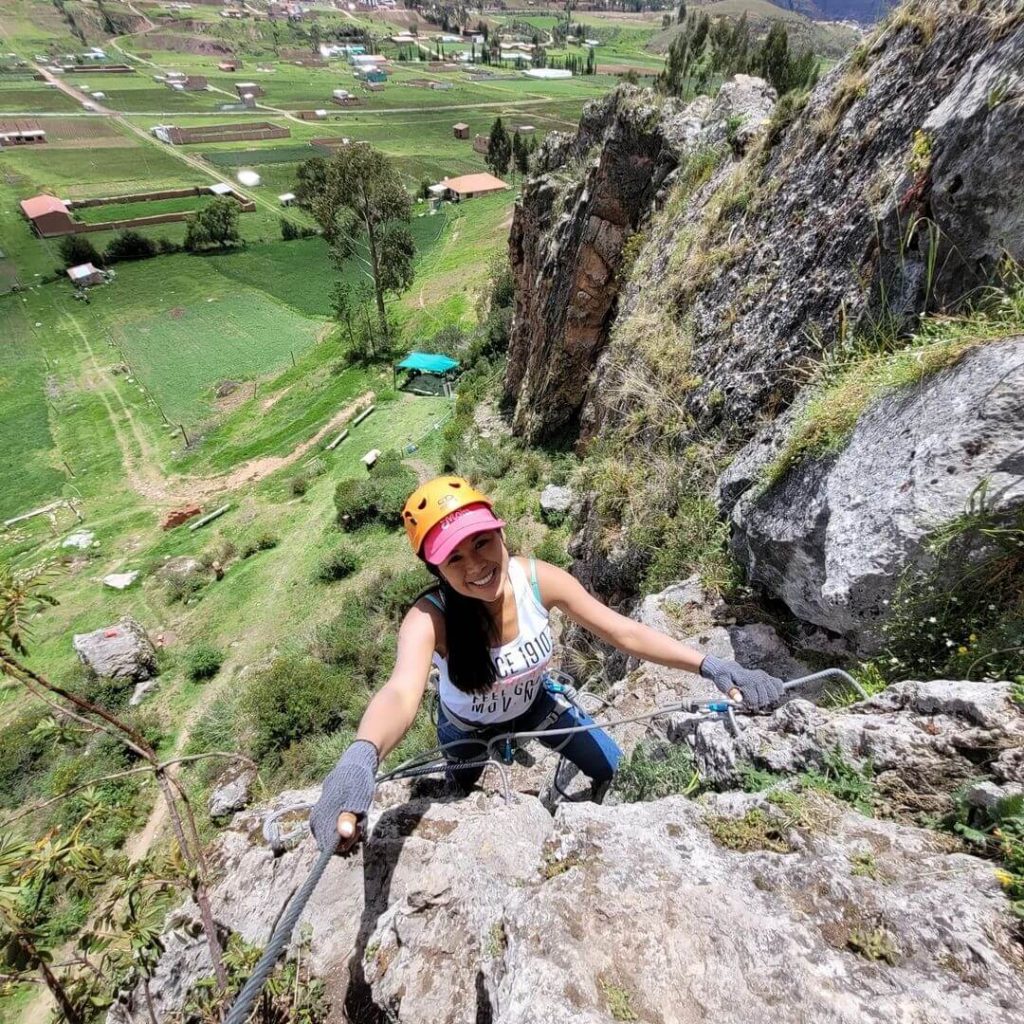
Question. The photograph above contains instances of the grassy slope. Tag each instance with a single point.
(268, 300)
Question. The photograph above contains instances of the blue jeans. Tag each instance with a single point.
(595, 753)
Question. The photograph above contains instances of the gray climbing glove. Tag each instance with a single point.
(759, 689)
(349, 787)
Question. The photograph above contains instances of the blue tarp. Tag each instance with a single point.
(425, 362)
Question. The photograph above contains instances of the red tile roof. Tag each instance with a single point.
(474, 183)
(38, 205)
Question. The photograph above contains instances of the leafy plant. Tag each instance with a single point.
(203, 661)
(552, 548)
(843, 780)
(962, 617)
(874, 944)
(653, 774)
(342, 561)
(999, 833)
(756, 830)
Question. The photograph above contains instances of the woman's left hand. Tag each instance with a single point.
(758, 689)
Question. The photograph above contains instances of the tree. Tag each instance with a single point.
(215, 224)
(774, 57)
(681, 14)
(358, 198)
(130, 245)
(76, 249)
(499, 148)
(315, 38)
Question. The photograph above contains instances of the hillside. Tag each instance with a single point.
(749, 366)
(832, 41)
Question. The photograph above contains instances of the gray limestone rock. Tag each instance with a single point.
(555, 503)
(923, 740)
(833, 537)
(471, 910)
(232, 792)
(121, 580)
(80, 539)
(121, 651)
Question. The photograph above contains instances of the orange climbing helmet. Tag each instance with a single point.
(441, 513)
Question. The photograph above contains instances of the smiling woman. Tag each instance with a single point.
(485, 629)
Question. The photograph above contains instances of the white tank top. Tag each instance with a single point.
(519, 665)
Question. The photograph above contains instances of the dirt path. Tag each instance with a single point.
(141, 459)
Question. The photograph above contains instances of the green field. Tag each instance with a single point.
(22, 98)
(144, 208)
(85, 173)
(26, 455)
(77, 424)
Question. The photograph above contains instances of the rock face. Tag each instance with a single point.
(471, 909)
(833, 538)
(923, 741)
(893, 191)
(591, 193)
(122, 651)
(844, 186)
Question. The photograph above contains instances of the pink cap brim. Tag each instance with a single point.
(448, 534)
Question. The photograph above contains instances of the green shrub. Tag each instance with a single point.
(356, 641)
(130, 245)
(552, 548)
(337, 564)
(203, 661)
(22, 755)
(311, 758)
(294, 698)
(299, 484)
(264, 541)
(392, 592)
(222, 550)
(843, 780)
(183, 586)
(999, 833)
(377, 497)
(962, 617)
(653, 773)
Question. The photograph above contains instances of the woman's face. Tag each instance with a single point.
(478, 566)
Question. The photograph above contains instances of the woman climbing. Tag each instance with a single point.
(485, 628)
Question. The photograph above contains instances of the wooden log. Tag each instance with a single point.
(209, 518)
(35, 512)
(362, 416)
(341, 437)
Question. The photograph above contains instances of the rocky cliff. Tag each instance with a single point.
(736, 906)
(757, 264)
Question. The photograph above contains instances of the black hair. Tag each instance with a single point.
(469, 660)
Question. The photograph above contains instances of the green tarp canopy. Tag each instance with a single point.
(427, 363)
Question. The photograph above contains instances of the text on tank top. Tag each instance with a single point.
(519, 665)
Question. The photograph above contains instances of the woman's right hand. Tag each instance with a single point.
(345, 798)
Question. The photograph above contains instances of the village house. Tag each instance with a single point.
(229, 65)
(248, 89)
(467, 186)
(21, 136)
(84, 275)
(460, 130)
(48, 215)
